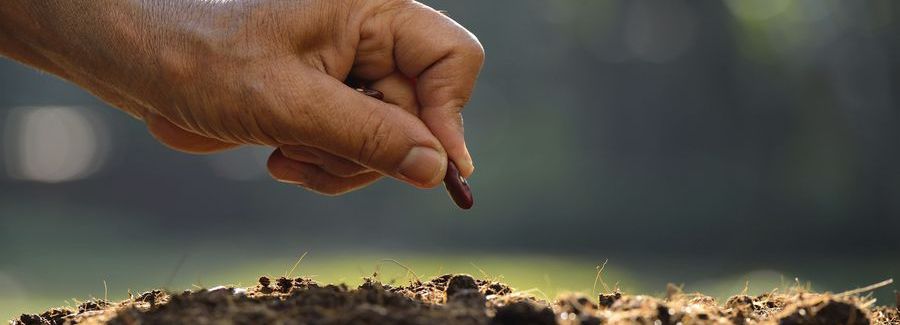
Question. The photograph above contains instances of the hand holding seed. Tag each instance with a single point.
(206, 78)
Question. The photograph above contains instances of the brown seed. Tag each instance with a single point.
(371, 93)
(456, 185)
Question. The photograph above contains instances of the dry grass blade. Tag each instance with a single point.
(175, 271)
(289, 273)
(865, 289)
(404, 267)
(869, 303)
(599, 278)
(480, 270)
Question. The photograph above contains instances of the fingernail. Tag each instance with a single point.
(422, 165)
(465, 165)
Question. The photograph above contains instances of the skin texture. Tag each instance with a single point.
(207, 76)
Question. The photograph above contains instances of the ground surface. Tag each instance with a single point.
(460, 299)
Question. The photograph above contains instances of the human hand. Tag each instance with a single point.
(208, 76)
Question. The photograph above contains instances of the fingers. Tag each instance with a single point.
(314, 178)
(369, 132)
(445, 59)
(180, 139)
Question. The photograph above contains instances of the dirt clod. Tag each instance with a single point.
(29, 319)
(150, 297)
(607, 300)
(497, 288)
(458, 283)
(824, 310)
(886, 315)
(575, 304)
(52, 316)
(525, 312)
(93, 305)
(284, 284)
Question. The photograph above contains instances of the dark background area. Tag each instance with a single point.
(740, 134)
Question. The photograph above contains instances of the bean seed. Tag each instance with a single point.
(371, 93)
(457, 187)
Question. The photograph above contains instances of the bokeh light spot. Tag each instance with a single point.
(53, 144)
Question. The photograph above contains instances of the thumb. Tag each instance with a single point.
(378, 135)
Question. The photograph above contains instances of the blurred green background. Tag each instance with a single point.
(704, 143)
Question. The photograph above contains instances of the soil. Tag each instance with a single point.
(459, 299)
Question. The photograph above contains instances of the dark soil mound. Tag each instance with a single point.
(457, 299)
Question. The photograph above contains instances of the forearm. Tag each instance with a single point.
(15, 25)
(73, 38)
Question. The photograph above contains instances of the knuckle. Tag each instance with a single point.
(467, 45)
(473, 49)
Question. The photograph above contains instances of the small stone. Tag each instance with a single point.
(459, 283)
(285, 284)
(607, 300)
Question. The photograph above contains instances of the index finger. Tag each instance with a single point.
(445, 59)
